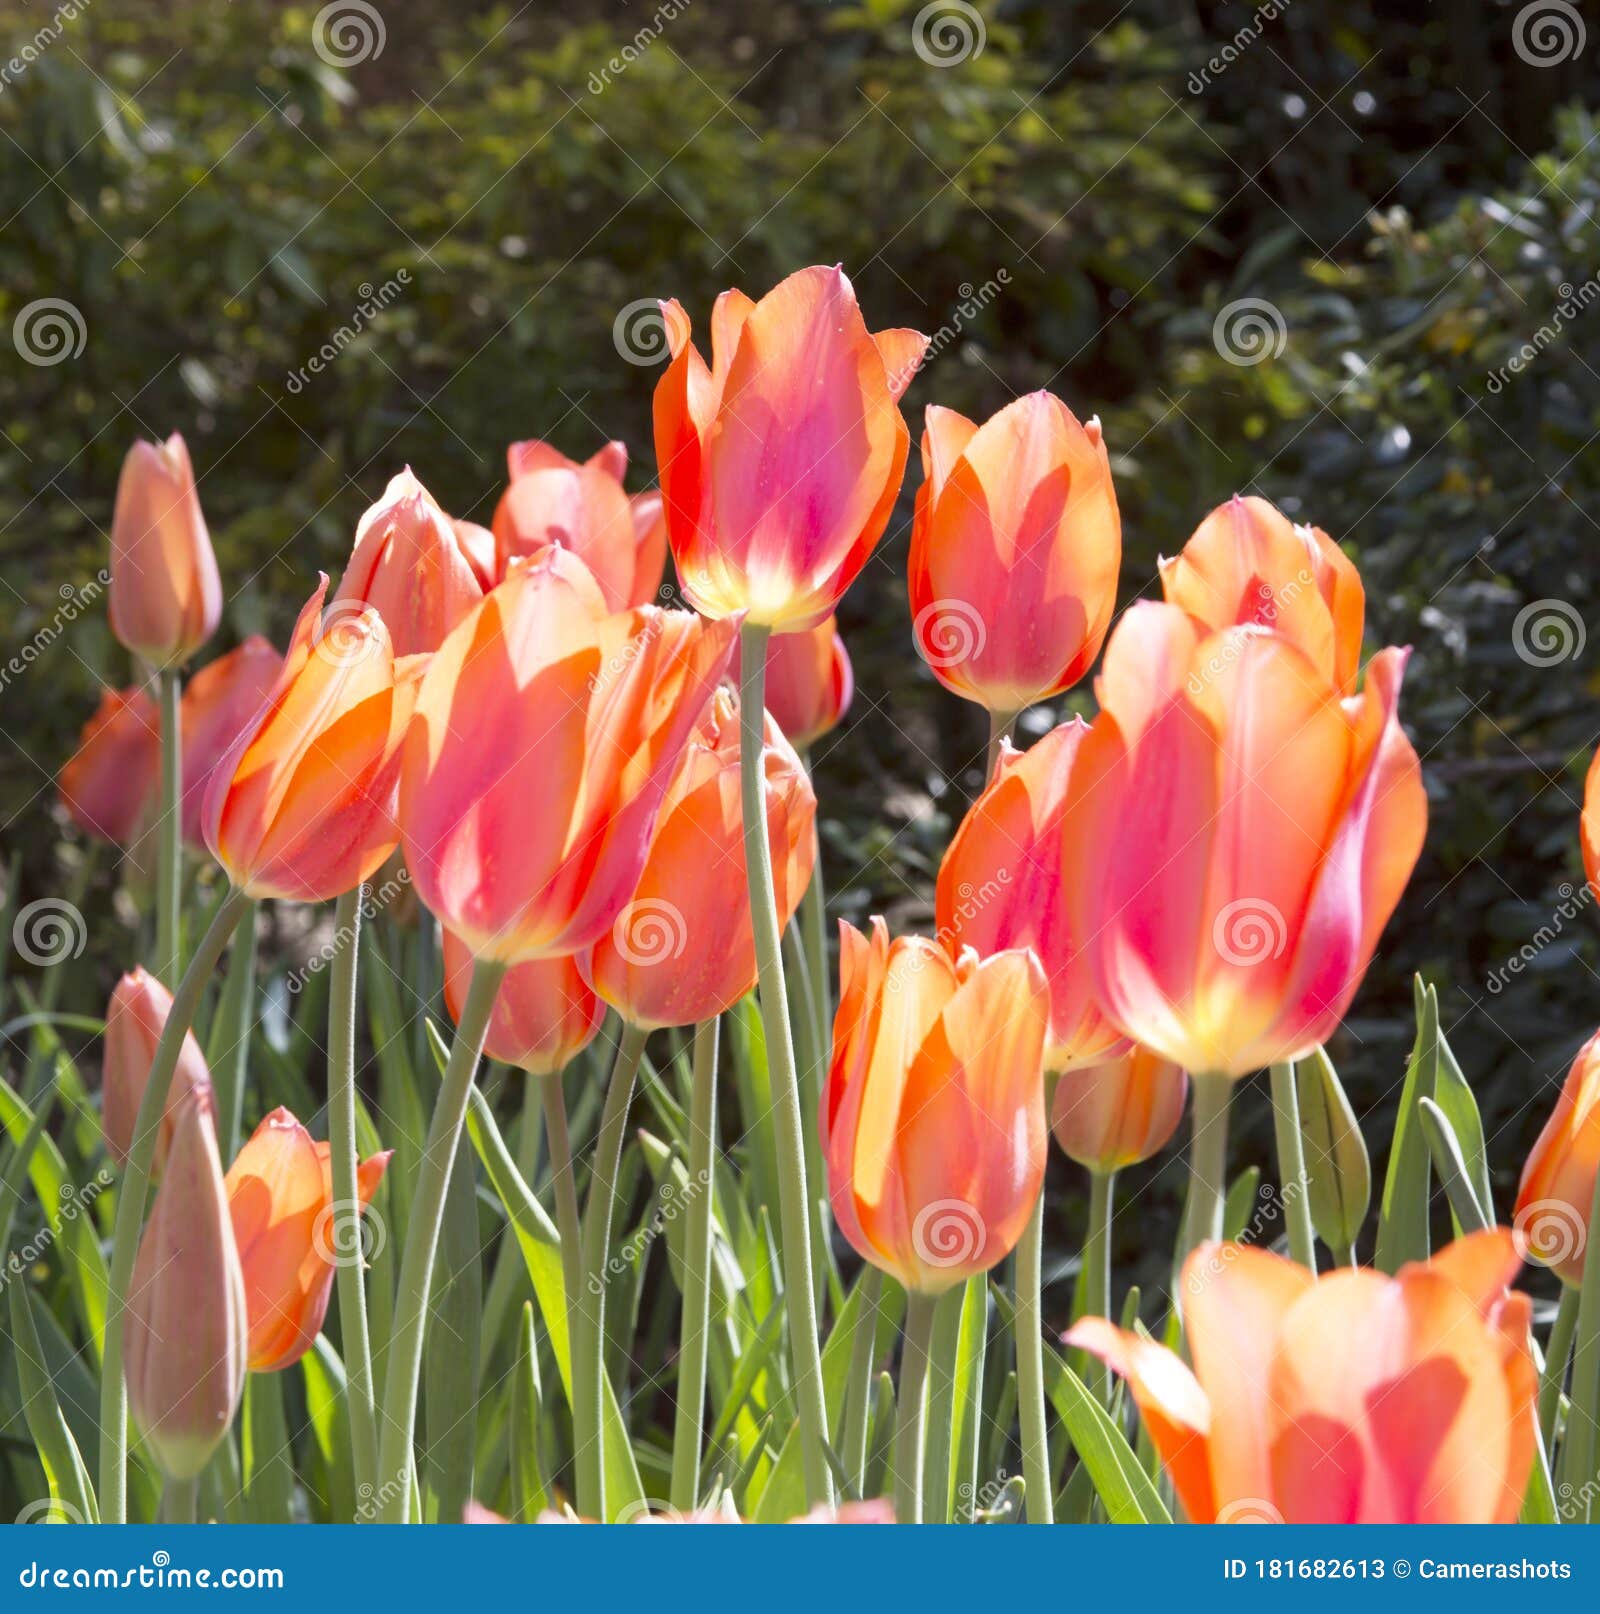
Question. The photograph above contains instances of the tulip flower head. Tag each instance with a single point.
(809, 683)
(933, 1125)
(1000, 886)
(280, 1195)
(1589, 826)
(1119, 1112)
(184, 1330)
(109, 785)
(218, 701)
(1015, 549)
(1557, 1189)
(166, 594)
(135, 1018)
(545, 1012)
(1235, 838)
(781, 462)
(546, 733)
(1353, 1399)
(682, 950)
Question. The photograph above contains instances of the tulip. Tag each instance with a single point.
(545, 1012)
(411, 565)
(219, 701)
(166, 595)
(135, 1018)
(477, 544)
(1000, 886)
(1015, 547)
(1248, 563)
(546, 733)
(1118, 1113)
(554, 500)
(184, 1326)
(1589, 826)
(933, 1125)
(683, 949)
(108, 788)
(301, 805)
(1557, 1188)
(280, 1195)
(1356, 1398)
(809, 683)
(781, 463)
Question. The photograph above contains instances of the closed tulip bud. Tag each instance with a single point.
(1247, 562)
(410, 565)
(1557, 1189)
(554, 500)
(166, 595)
(1353, 1399)
(280, 1195)
(933, 1124)
(682, 950)
(1015, 548)
(217, 704)
(546, 733)
(301, 805)
(1000, 886)
(1118, 1113)
(809, 682)
(135, 1018)
(1338, 1172)
(780, 464)
(1235, 838)
(109, 786)
(184, 1330)
(545, 1012)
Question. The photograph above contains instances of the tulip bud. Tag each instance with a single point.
(166, 596)
(1557, 1188)
(109, 786)
(135, 1018)
(545, 1012)
(185, 1330)
(1116, 1114)
(1338, 1173)
(809, 682)
(218, 702)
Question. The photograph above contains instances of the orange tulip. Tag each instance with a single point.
(184, 1329)
(217, 703)
(109, 786)
(682, 950)
(1014, 551)
(135, 1018)
(1557, 1190)
(781, 463)
(546, 733)
(280, 1194)
(1247, 562)
(933, 1125)
(545, 1012)
(477, 544)
(301, 805)
(1589, 825)
(1118, 1113)
(809, 682)
(166, 595)
(554, 500)
(1235, 838)
(410, 564)
(1000, 886)
(1356, 1399)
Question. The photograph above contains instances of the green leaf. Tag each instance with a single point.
(1338, 1172)
(1124, 1488)
(1242, 1205)
(265, 1454)
(327, 1411)
(450, 1355)
(529, 1493)
(1445, 1149)
(1403, 1214)
(1453, 1095)
(70, 1491)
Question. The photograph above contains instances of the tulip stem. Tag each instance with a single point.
(346, 1233)
(687, 1430)
(858, 1392)
(794, 1205)
(1583, 1412)
(1097, 1268)
(180, 1501)
(568, 1222)
(1208, 1162)
(131, 1204)
(169, 832)
(910, 1418)
(1028, 1325)
(1557, 1352)
(229, 1055)
(814, 928)
(396, 1464)
(1292, 1186)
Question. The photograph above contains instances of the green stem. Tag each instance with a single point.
(1097, 1268)
(1557, 1352)
(1583, 1411)
(346, 1240)
(910, 1422)
(396, 1465)
(794, 1206)
(1208, 1162)
(131, 1204)
(229, 1055)
(180, 1501)
(1000, 727)
(169, 831)
(1028, 1324)
(814, 928)
(937, 1443)
(688, 1429)
(858, 1392)
(568, 1222)
(587, 1321)
(1292, 1184)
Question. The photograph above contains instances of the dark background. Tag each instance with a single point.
(1413, 195)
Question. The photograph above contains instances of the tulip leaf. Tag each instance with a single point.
(327, 1411)
(1124, 1488)
(1403, 1212)
(1338, 1172)
(1453, 1095)
(1451, 1168)
(450, 1358)
(1241, 1207)
(70, 1491)
(530, 1496)
(265, 1454)
(971, 1351)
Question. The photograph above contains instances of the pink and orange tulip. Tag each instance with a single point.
(109, 784)
(1120, 1111)
(545, 1013)
(809, 683)
(1015, 549)
(135, 1018)
(1557, 1188)
(1353, 1399)
(217, 704)
(1589, 826)
(781, 462)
